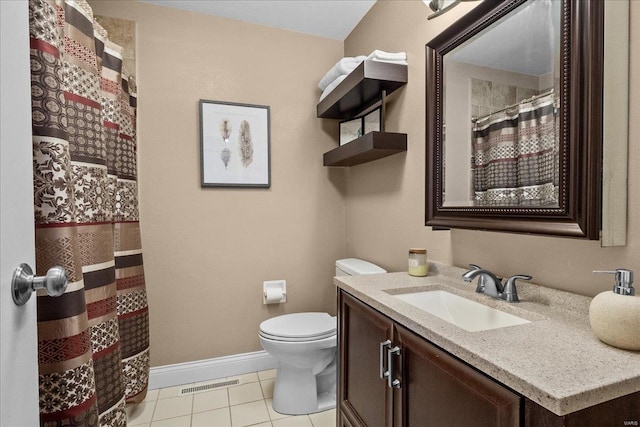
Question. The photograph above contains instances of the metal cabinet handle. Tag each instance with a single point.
(383, 346)
(24, 283)
(393, 383)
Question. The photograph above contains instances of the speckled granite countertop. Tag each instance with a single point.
(555, 360)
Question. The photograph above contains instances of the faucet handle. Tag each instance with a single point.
(521, 277)
(510, 293)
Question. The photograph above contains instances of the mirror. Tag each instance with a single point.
(507, 127)
(514, 126)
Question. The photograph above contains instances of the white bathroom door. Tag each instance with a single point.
(18, 335)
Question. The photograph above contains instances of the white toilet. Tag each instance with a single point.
(305, 345)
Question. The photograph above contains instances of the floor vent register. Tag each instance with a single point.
(207, 387)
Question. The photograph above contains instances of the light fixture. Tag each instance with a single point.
(436, 5)
(442, 6)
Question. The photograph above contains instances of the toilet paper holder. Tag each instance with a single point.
(274, 291)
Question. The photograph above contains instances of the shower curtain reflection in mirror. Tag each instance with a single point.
(495, 114)
(515, 155)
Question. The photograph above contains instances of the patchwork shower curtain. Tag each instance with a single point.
(93, 345)
(515, 156)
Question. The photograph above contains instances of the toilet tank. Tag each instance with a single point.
(355, 266)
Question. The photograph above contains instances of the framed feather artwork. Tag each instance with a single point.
(234, 145)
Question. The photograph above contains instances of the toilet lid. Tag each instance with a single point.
(299, 326)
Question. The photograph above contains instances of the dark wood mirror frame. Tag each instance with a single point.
(580, 192)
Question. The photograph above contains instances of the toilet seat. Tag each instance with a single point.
(299, 327)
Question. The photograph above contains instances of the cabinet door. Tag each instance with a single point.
(439, 390)
(363, 397)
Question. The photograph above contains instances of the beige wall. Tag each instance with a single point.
(385, 199)
(207, 251)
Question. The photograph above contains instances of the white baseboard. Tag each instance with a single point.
(210, 369)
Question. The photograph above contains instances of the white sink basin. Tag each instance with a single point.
(464, 313)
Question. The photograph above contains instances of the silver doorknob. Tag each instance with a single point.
(24, 283)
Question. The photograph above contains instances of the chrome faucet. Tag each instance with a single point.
(480, 286)
(491, 285)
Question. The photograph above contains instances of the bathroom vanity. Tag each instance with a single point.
(402, 366)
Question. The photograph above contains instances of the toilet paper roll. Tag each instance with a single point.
(273, 296)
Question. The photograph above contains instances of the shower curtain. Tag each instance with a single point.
(93, 345)
(515, 156)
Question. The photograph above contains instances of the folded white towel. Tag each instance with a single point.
(390, 61)
(344, 66)
(332, 86)
(379, 54)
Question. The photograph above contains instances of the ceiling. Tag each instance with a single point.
(516, 45)
(325, 18)
(525, 41)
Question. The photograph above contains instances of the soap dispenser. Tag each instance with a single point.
(615, 316)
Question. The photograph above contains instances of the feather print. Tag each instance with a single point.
(225, 156)
(225, 129)
(246, 146)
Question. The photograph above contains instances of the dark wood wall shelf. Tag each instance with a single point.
(361, 89)
(372, 146)
(368, 84)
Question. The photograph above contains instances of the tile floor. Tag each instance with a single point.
(245, 404)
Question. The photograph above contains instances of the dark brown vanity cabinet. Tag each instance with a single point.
(428, 386)
(363, 396)
(439, 390)
(432, 388)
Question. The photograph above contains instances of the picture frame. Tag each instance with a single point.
(372, 121)
(350, 130)
(234, 145)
